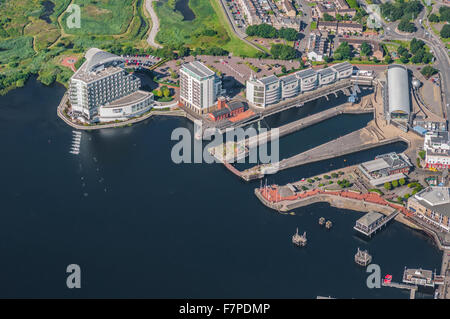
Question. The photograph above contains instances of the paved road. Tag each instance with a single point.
(155, 24)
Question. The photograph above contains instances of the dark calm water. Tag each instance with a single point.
(48, 11)
(183, 7)
(142, 226)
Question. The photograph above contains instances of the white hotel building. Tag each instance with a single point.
(271, 90)
(102, 91)
(437, 148)
(199, 87)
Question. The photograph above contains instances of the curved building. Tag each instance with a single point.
(101, 90)
(398, 92)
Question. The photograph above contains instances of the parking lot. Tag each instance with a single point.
(238, 16)
(141, 60)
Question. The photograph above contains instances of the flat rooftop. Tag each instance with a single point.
(305, 73)
(436, 199)
(375, 165)
(369, 218)
(129, 99)
(199, 69)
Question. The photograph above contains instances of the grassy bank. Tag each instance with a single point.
(209, 28)
(31, 46)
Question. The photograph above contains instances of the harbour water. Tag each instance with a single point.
(141, 226)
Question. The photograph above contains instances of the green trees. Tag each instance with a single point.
(269, 32)
(434, 18)
(444, 13)
(283, 52)
(445, 31)
(289, 34)
(387, 186)
(366, 49)
(428, 71)
(394, 11)
(416, 45)
(402, 181)
(343, 52)
(327, 17)
(394, 184)
(406, 26)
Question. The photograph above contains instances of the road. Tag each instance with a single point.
(426, 34)
(155, 24)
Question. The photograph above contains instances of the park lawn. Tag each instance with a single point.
(208, 16)
(102, 17)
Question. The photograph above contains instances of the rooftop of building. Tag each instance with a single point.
(98, 64)
(435, 198)
(132, 98)
(326, 71)
(289, 79)
(269, 79)
(198, 69)
(306, 73)
(386, 161)
(439, 137)
(342, 66)
(369, 218)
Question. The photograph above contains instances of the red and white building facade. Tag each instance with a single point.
(437, 148)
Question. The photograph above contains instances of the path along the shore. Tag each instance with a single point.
(155, 24)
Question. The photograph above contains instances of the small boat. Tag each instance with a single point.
(73, 152)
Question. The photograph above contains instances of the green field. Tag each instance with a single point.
(208, 29)
(102, 17)
(29, 45)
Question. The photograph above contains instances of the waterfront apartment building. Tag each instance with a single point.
(199, 87)
(437, 150)
(271, 90)
(433, 205)
(101, 90)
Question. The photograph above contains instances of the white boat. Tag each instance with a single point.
(73, 152)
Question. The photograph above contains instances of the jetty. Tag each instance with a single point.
(299, 240)
(373, 221)
(412, 288)
(362, 257)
